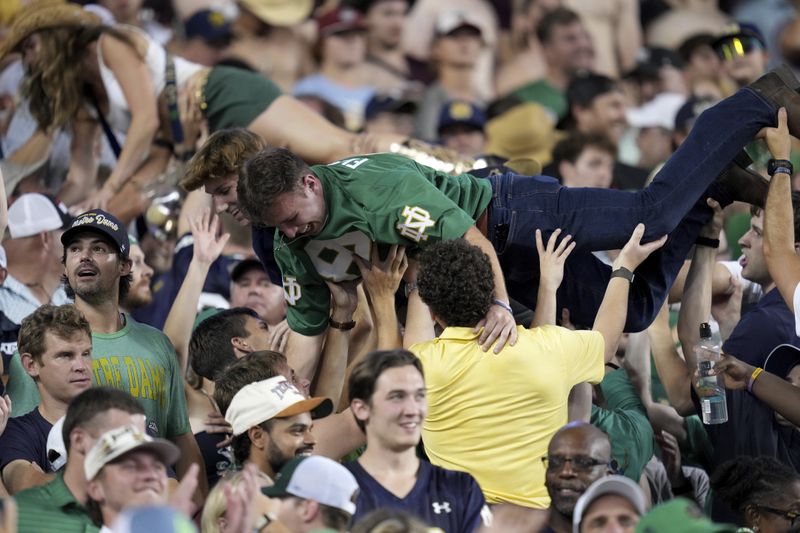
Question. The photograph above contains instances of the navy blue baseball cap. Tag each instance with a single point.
(782, 359)
(101, 222)
(461, 112)
(210, 25)
(389, 104)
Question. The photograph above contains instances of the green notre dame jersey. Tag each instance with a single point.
(381, 198)
(137, 359)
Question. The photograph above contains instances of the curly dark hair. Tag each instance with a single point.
(456, 281)
(752, 481)
(267, 175)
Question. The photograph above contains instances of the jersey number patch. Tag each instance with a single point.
(416, 223)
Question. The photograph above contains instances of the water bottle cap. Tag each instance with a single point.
(705, 330)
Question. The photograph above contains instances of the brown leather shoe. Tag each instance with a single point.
(743, 184)
(780, 87)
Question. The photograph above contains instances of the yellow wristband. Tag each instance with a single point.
(752, 379)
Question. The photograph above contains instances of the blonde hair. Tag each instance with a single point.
(216, 505)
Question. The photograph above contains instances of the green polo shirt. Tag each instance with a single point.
(52, 507)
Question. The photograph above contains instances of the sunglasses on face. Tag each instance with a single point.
(737, 47)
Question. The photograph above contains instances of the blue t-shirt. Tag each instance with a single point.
(263, 242)
(166, 285)
(761, 329)
(25, 438)
(446, 499)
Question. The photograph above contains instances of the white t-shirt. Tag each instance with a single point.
(796, 306)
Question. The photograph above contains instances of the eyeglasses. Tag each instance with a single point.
(790, 516)
(581, 463)
(737, 47)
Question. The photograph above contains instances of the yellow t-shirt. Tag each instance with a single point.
(493, 415)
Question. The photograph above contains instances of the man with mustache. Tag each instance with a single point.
(578, 455)
(272, 421)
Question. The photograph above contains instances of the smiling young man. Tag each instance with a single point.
(126, 468)
(387, 397)
(55, 344)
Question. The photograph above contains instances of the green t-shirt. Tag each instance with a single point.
(51, 507)
(382, 198)
(544, 94)
(137, 359)
(625, 421)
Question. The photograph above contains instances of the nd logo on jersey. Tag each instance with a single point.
(291, 290)
(416, 223)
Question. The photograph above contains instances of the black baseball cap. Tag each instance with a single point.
(246, 265)
(101, 222)
(782, 359)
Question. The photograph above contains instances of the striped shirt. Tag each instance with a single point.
(52, 507)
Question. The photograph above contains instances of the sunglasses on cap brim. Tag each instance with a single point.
(737, 47)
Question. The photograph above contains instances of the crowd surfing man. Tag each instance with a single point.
(326, 214)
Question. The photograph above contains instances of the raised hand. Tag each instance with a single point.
(552, 258)
(383, 277)
(5, 412)
(207, 244)
(778, 139)
(634, 252)
(499, 328)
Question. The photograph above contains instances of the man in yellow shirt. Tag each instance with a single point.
(493, 415)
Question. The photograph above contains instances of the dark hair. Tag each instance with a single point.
(266, 176)
(92, 402)
(572, 146)
(334, 518)
(124, 281)
(365, 374)
(390, 521)
(63, 321)
(456, 281)
(585, 87)
(255, 366)
(747, 481)
(210, 348)
(241, 445)
(560, 16)
(755, 211)
(693, 43)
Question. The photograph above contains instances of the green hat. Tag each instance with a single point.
(205, 313)
(679, 516)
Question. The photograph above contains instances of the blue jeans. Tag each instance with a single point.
(603, 219)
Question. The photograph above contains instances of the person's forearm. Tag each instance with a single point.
(83, 162)
(419, 323)
(611, 316)
(779, 250)
(386, 318)
(696, 305)
(337, 435)
(137, 145)
(579, 403)
(546, 308)
(19, 477)
(190, 454)
(303, 353)
(333, 366)
(180, 320)
(671, 369)
(780, 395)
(637, 365)
(475, 237)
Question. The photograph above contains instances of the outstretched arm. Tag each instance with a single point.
(498, 325)
(614, 308)
(551, 273)
(779, 237)
(381, 281)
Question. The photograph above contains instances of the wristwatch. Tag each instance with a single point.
(783, 166)
(623, 272)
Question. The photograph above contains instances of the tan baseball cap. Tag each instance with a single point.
(272, 398)
(117, 442)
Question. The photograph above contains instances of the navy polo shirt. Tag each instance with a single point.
(25, 438)
(765, 326)
(446, 499)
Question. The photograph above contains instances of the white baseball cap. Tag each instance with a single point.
(272, 398)
(120, 441)
(3, 258)
(316, 478)
(618, 485)
(35, 213)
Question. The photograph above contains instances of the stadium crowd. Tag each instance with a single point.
(399, 266)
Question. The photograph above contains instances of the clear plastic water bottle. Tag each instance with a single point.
(710, 389)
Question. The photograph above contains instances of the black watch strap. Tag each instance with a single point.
(344, 326)
(623, 272)
(776, 166)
